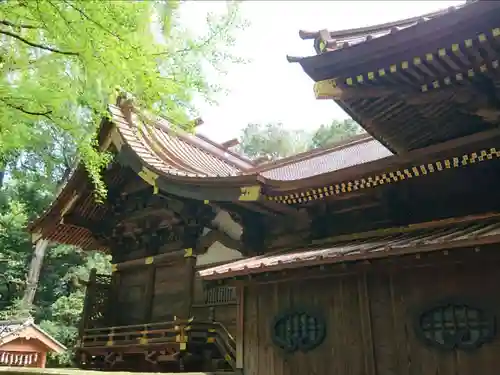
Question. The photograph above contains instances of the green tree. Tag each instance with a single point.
(59, 296)
(334, 132)
(272, 140)
(61, 62)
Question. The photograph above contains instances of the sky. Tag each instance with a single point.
(270, 89)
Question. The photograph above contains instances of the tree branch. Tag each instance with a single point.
(84, 15)
(45, 114)
(36, 45)
(18, 25)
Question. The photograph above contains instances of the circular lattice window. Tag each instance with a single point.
(298, 330)
(455, 325)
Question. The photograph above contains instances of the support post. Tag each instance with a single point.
(240, 324)
(190, 270)
(149, 293)
(34, 273)
(87, 303)
(114, 296)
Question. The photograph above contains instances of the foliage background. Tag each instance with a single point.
(61, 64)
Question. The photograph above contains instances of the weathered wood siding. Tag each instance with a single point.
(143, 296)
(170, 292)
(131, 288)
(370, 323)
(138, 304)
(218, 304)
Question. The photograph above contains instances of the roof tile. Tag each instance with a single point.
(370, 247)
(335, 159)
(172, 152)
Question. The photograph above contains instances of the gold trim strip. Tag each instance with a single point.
(150, 177)
(249, 193)
(443, 52)
(386, 178)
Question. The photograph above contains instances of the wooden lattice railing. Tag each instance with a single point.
(140, 334)
(181, 333)
(96, 301)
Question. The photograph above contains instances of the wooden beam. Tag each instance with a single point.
(142, 262)
(328, 89)
(230, 143)
(216, 235)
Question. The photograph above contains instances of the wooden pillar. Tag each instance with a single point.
(240, 323)
(149, 293)
(87, 303)
(114, 300)
(43, 359)
(190, 271)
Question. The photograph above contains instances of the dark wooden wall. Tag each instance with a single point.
(154, 293)
(170, 292)
(370, 323)
(217, 303)
(131, 288)
(143, 297)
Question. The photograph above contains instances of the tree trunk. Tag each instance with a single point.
(34, 273)
(38, 255)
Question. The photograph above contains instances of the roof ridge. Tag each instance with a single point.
(218, 145)
(340, 145)
(305, 35)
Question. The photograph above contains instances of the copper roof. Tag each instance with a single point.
(175, 152)
(401, 242)
(345, 155)
(179, 155)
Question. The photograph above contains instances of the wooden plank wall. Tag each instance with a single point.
(166, 299)
(370, 326)
(219, 304)
(170, 292)
(131, 291)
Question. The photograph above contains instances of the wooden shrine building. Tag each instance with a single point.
(24, 344)
(402, 264)
(378, 255)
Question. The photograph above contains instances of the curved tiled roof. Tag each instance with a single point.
(180, 154)
(175, 152)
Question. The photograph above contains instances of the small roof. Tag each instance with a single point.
(13, 329)
(410, 98)
(348, 153)
(452, 233)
